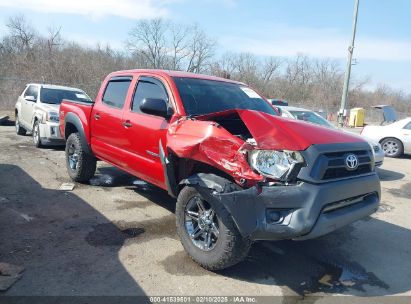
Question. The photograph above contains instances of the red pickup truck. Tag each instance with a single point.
(239, 171)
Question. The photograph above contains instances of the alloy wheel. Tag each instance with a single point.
(36, 133)
(201, 224)
(17, 124)
(390, 148)
(73, 157)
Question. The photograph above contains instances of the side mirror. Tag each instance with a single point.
(154, 106)
(279, 111)
(30, 98)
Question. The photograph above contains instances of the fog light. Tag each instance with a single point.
(274, 216)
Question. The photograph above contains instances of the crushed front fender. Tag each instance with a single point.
(208, 142)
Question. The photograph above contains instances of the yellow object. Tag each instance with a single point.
(357, 116)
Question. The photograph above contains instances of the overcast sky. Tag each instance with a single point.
(319, 28)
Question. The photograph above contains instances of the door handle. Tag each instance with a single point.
(127, 124)
(97, 116)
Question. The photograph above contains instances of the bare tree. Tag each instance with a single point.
(179, 44)
(201, 49)
(163, 44)
(270, 68)
(148, 39)
(21, 32)
(54, 39)
(27, 56)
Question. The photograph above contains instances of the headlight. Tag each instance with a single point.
(52, 116)
(274, 164)
(376, 148)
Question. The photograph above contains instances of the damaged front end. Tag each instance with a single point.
(231, 141)
(301, 211)
(253, 162)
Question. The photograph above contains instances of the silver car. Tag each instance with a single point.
(395, 138)
(37, 111)
(312, 117)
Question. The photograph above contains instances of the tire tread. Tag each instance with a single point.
(235, 246)
(400, 149)
(21, 130)
(87, 163)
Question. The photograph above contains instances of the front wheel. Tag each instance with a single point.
(209, 236)
(36, 134)
(81, 166)
(392, 147)
(19, 129)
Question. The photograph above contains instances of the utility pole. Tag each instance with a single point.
(348, 69)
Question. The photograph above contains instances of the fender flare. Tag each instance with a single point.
(75, 120)
(211, 181)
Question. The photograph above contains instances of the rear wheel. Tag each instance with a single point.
(81, 166)
(36, 134)
(209, 236)
(392, 147)
(19, 129)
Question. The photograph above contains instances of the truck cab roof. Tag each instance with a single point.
(171, 73)
(54, 86)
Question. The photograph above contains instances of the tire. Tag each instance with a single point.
(81, 165)
(392, 147)
(36, 134)
(19, 129)
(230, 247)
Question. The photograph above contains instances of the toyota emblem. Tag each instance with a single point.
(351, 162)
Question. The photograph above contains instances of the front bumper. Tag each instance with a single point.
(50, 134)
(379, 157)
(307, 210)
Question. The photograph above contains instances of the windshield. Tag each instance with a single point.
(201, 96)
(55, 96)
(311, 117)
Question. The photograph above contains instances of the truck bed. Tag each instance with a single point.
(80, 109)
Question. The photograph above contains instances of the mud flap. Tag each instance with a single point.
(73, 119)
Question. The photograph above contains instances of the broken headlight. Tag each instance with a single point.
(274, 164)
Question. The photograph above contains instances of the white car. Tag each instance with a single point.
(37, 111)
(312, 117)
(394, 138)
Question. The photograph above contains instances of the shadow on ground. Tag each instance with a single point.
(367, 261)
(366, 258)
(45, 231)
(108, 177)
(388, 175)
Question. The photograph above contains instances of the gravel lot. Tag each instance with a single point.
(117, 236)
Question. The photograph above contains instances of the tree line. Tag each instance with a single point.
(29, 56)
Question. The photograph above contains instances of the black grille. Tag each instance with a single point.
(342, 154)
(332, 173)
(332, 165)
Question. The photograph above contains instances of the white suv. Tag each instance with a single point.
(37, 111)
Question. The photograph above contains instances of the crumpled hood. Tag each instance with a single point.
(205, 140)
(279, 133)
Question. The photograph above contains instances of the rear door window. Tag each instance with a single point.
(116, 92)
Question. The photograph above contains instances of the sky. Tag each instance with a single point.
(318, 28)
